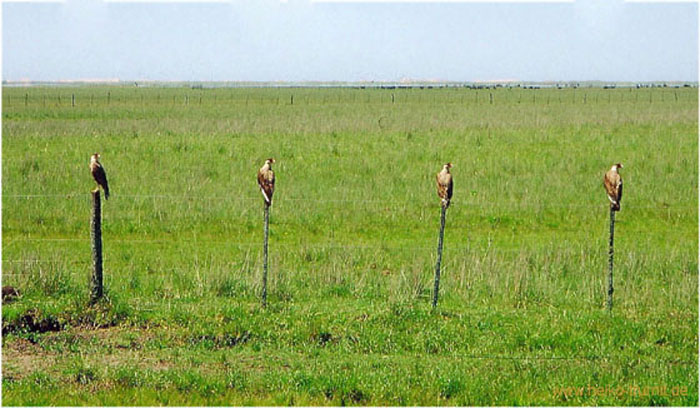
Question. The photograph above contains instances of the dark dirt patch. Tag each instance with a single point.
(322, 338)
(32, 322)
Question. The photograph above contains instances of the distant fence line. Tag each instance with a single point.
(286, 96)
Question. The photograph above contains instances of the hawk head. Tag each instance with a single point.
(448, 166)
(619, 165)
(270, 161)
(95, 157)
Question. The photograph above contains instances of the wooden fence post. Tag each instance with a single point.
(264, 277)
(72, 100)
(96, 235)
(436, 288)
(610, 258)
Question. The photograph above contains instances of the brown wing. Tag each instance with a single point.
(266, 181)
(619, 190)
(100, 176)
(612, 182)
(442, 190)
(449, 186)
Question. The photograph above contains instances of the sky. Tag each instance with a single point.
(331, 40)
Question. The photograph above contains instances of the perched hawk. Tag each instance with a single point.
(444, 185)
(266, 181)
(613, 186)
(98, 173)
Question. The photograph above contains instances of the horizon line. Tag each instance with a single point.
(332, 81)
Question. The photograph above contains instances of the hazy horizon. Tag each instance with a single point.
(320, 41)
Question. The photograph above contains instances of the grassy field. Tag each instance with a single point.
(353, 236)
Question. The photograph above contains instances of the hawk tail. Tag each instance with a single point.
(268, 200)
(106, 191)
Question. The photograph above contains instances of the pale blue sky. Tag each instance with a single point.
(269, 40)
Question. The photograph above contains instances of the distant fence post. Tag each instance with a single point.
(72, 100)
(291, 100)
(490, 98)
(96, 235)
(26, 99)
(610, 258)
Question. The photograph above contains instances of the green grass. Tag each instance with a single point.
(352, 244)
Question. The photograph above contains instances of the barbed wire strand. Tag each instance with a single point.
(191, 240)
(660, 206)
(475, 250)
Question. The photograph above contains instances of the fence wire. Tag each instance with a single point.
(198, 197)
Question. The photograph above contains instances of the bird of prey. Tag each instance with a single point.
(266, 181)
(444, 185)
(613, 186)
(98, 173)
